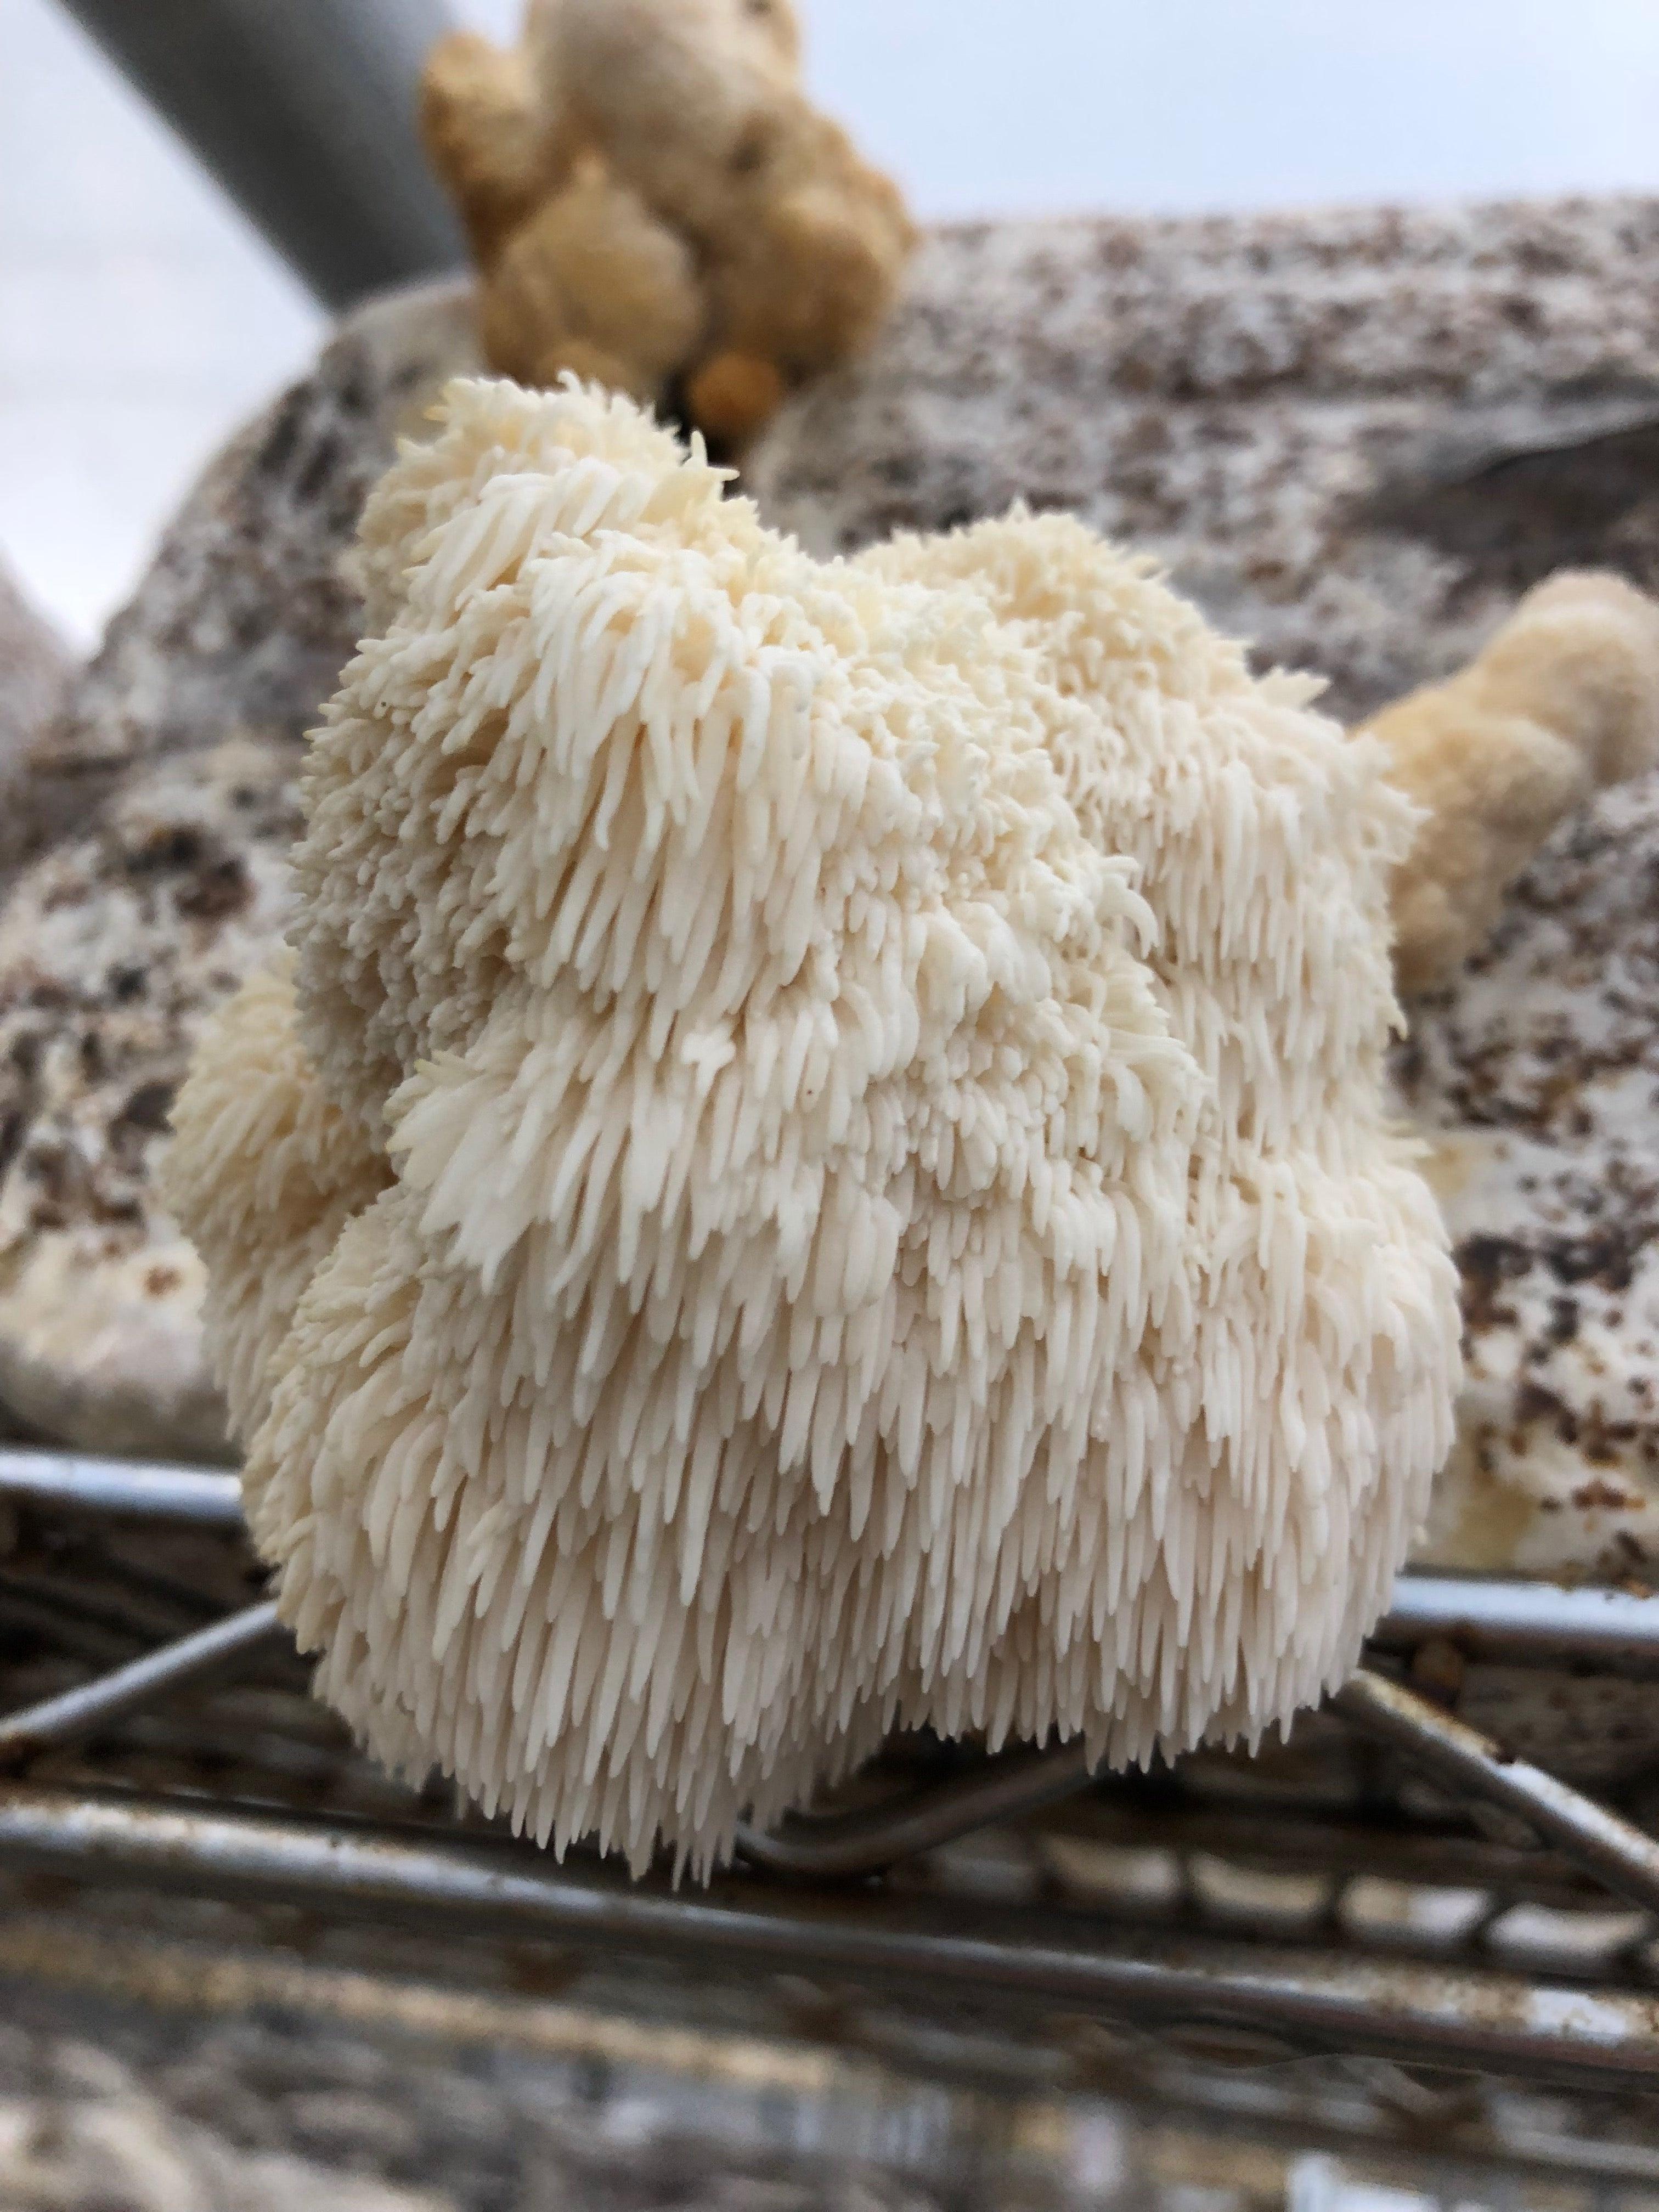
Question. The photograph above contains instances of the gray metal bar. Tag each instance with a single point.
(60, 1722)
(135, 1489)
(304, 111)
(1488, 1617)
(841, 1846)
(1019, 1783)
(1480, 2021)
(1619, 1855)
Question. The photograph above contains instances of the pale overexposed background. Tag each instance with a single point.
(140, 318)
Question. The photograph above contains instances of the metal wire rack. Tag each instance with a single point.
(1448, 1876)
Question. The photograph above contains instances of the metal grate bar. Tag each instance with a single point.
(1498, 1617)
(60, 1722)
(1429, 2016)
(1620, 1856)
(132, 1490)
(1568, 2015)
(1489, 1617)
(841, 1846)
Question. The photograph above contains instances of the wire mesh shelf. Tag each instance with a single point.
(1444, 1887)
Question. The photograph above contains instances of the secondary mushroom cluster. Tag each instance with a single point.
(1562, 703)
(819, 1160)
(655, 202)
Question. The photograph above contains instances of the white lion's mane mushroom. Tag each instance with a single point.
(845, 1182)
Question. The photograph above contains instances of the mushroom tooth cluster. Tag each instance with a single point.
(847, 1101)
(655, 202)
(270, 1172)
(1564, 702)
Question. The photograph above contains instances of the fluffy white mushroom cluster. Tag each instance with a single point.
(819, 1161)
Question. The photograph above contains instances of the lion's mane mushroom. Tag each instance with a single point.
(843, 1103)
(655, 202)
(1562, 703)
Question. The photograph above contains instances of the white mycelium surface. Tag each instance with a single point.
(871, 1074)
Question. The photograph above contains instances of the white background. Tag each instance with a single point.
(140, 319)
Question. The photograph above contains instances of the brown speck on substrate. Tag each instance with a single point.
(1487, 1264)
(1562, 1325)
(1591, 1497)
(1535, 1403)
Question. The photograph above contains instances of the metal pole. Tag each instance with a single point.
(839, 1847)
(304, 111)
(1616, 1853)
(1599, 2040)
(130, 1489)
(1532, 1624)
(60, 1722)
